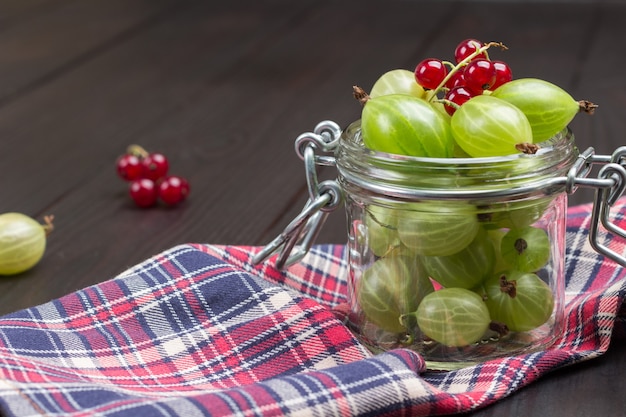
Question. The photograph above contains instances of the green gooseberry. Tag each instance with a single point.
(453, 317)
(514, 214)
(382, 230)
(488, 126)
(526, 249)
(466, 268)
(391, 287)
(495, 237)
(548, 108)
(397, 81)
(520, 300)
(436, 228)
(405, 125)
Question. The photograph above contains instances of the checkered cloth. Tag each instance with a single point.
(198, 330)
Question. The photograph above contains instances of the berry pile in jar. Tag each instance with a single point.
(471, 108)
(451, 273)
(147, 174)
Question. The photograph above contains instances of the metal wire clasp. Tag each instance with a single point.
(296, 240)
(610, 186)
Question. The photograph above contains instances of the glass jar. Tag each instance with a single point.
(459, 259)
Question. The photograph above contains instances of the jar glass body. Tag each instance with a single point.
(459, 259)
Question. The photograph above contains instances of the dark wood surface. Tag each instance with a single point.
(223, 89)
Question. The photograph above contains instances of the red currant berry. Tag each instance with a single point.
(466, 48)
(457, 95)
(480, 74)
(129, 167)
(173, 190)
(455, 80)
(144, 192)
(430, 73)
(503, 74)
(155, 166)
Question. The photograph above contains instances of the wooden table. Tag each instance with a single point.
(223, 89)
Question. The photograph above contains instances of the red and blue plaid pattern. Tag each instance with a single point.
(199, 330)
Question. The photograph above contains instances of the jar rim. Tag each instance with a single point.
(410, 177)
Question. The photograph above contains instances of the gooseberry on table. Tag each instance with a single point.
(22, 242)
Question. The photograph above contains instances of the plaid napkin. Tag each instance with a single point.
(198, 330)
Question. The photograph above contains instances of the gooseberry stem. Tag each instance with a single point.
(360, 94)
(500, 328)
(587, 106)
(508, 287)
(48, 227)
(470, 57)
(527, 148)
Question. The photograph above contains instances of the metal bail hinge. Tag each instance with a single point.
(615, 174)
(296, 240)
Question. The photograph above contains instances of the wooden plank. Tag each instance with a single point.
(55, 38)
(17, 11)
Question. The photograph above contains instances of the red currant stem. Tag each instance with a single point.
(433, 93)
(448, 103)
(48, 227)
(478, 46)
(137, 150)
(448, 64)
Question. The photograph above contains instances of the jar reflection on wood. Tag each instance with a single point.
(460, 259)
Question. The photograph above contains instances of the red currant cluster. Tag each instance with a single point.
(472, 74)
(147, 174)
